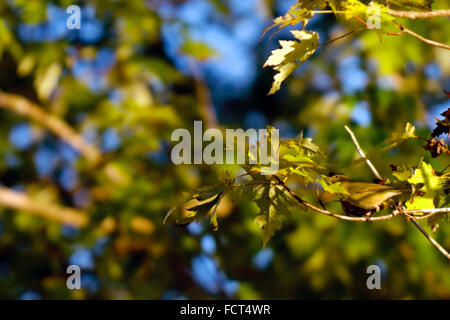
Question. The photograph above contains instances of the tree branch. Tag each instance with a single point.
(433, 242)
(328, 213)
(339, 37)
(428, 41)
(419, 15)
(410, 32)
(400, 210)
(429, 212)
(19, 201)
(23, 106)
(363, 155)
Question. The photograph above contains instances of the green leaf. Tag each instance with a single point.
(202, 210)
(335, 188)
(432, 186)
(198, 50)
(298, 158)
(408, 133)
(269, 223)
(291, 55)
(402, 173)
(221, 7)
(309, 148)
(212, 195)
(395, 139)
(307, 174)
(207, 192)
(47, 79)
(413, 4)
(433, 221)
(272, 203)
(299, 12)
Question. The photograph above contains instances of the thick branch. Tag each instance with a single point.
(419, 15)
(28, 109)
(429, 212)
(338, 38)
(19, 201)
(363, 155)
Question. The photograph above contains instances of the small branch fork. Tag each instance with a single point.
(12, 199)
(418, 36)
(328, 213)
(399, 211)
(430, 212)
(400, 14)
(20, 201)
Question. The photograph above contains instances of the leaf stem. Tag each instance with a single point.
(418, 36)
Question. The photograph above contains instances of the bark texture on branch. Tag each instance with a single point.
(419, 15)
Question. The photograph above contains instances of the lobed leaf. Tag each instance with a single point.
(291, 55)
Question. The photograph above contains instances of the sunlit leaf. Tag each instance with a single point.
(291, 55)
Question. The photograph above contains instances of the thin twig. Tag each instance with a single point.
(400, 210)
(394, 213)
(361, 21)
(417, 36)
(433, 242)
(328, 213)
(254, 184)
(338, 38)
(410, 32)
(428, 41)
(402, 14)
(363, 155)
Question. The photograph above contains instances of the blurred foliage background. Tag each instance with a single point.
(85, 172)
